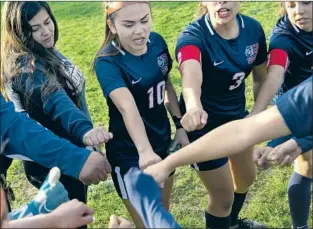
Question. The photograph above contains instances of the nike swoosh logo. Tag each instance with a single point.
(136, 81)
(308, 53)
(217, 63)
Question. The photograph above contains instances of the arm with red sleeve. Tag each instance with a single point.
(278, 59)
(276, 67)
(188, 54)
(280, 51)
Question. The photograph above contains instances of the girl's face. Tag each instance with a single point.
(300, 14)
(222, 12)
(43, 29)
(132, 25)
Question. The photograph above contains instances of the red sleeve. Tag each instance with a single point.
(188, 52)
(278, 57)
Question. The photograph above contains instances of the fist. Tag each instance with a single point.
(97, 136)
(194, 119)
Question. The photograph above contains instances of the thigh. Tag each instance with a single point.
(243, 170)
(218, 182)
(303, 164)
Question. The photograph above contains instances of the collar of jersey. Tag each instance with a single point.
(210, 28)
(123, 52)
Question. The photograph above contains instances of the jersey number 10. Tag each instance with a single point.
(159, 90)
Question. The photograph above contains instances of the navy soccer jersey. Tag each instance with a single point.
(145, 77)
(296, 108)
(298, 44)
(225, 63)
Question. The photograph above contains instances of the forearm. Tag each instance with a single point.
(60, 107)
(192, 94)
(171, 100)
(191, 83)
(256, 89)
(135, 125)
(231, 138)
(38, 221)
(31, 140)
(46, 149)
(264, 92)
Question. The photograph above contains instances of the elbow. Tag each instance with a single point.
(126, 107)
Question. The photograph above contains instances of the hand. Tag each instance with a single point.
(119, 222)
(72, 214)
(194, 119)
(96, 169)
(148, 158)
(97, 136)
(180, 139)
(159, 172)
(260, 157)
(285, 153)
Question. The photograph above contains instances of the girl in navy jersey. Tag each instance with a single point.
(290, 62)
(133, 67)
(40, 81)
(215, 54)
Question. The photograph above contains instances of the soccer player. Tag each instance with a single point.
(215, 55)
(290, 63)
(133, 67)
(45, 84)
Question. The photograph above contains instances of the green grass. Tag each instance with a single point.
(81, 26)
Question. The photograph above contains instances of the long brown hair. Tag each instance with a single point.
(20, 53)
(105, 49)
(202, 10)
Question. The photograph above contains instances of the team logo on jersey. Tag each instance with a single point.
(251, 52)
(163, 63)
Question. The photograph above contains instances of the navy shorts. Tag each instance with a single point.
(118, 173)
(193, 136)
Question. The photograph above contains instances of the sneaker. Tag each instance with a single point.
(246, 223)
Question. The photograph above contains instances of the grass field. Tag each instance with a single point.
(81, 26)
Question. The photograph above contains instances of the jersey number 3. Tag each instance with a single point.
(237, 80)
(157, 91)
